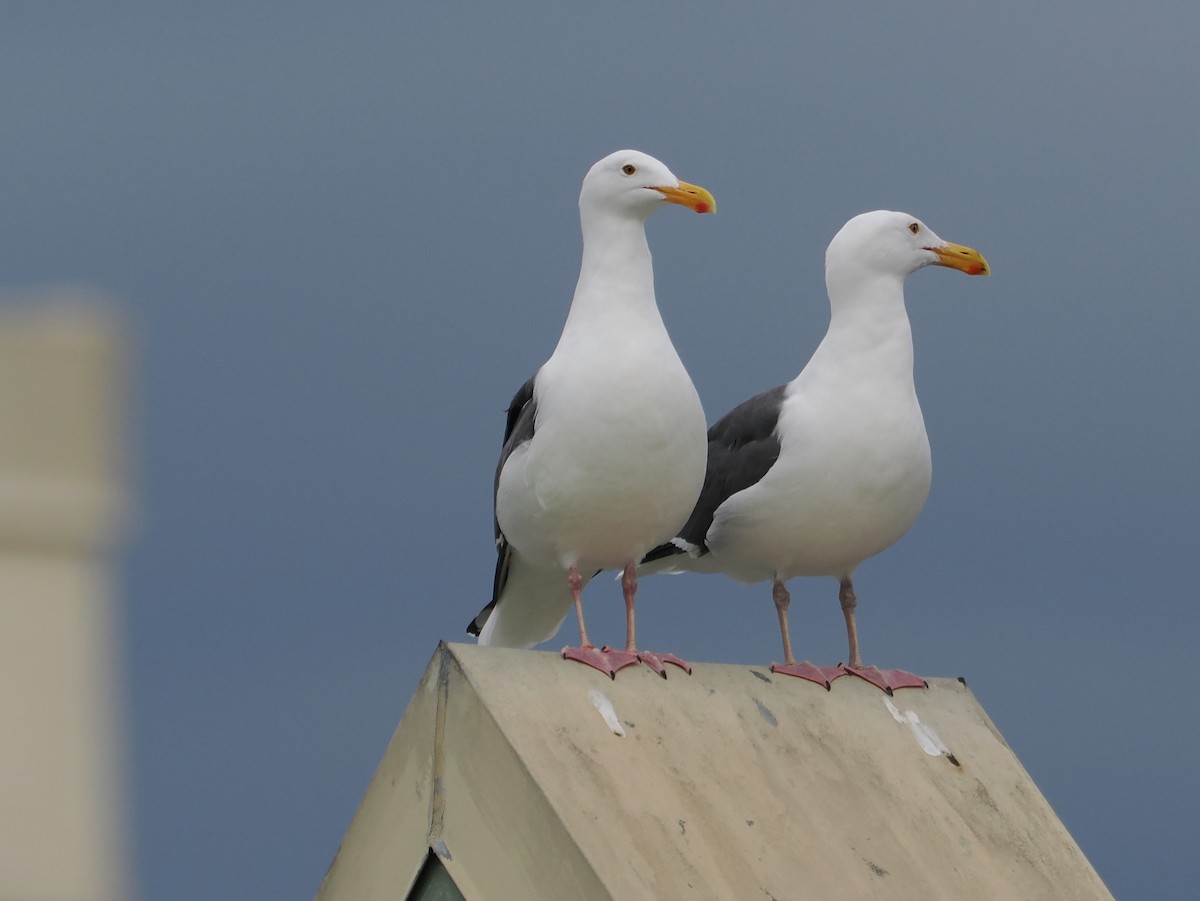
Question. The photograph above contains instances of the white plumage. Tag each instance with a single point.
(604, 452)
(816, 476)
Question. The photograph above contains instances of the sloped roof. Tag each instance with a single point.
(732, 783)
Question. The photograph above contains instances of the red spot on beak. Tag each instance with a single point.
(702, 208)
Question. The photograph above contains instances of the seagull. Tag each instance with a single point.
(813, 477)
(604, 448)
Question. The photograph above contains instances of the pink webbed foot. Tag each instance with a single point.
(821, 675)
(887, 680)
(656, 662)
(607, 661)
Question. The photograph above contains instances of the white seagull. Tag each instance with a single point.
(604, 449)
(813, 477)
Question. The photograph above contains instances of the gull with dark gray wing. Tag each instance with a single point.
(818, 475)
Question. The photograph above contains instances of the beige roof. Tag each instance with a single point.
(732, 783)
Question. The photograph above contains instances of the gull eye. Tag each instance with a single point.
(629, 169)
(915, 228)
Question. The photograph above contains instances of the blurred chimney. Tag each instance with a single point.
(63, 832)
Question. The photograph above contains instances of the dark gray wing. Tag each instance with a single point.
(522, 413)
(742, 447)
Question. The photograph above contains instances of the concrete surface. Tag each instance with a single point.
(732, 783)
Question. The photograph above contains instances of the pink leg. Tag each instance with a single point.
(887, 679)
(782, 599)
(790, 667)
(622, 659)
(587, 652)
(849, 601)
(656, 662)
(575, 583)
(629, 590)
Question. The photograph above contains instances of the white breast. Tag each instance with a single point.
(617, 459)
(853, 473)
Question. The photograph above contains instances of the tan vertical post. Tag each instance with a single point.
(62, 812)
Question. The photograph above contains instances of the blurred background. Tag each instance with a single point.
(285, 265)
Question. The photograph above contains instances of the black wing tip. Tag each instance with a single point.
(663, 550)
(475, 626)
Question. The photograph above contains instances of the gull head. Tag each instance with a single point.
(896, 244)
(635, 184)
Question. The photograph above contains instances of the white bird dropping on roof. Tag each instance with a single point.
(604, 449)
(813, 477)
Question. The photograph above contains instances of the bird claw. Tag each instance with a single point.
(886, 680)
(620, 659)
(821, 675)
(656, 662)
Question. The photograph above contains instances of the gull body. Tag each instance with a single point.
(815, 476)
(604, 450)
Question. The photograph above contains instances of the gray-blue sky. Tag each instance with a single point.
(343, 235)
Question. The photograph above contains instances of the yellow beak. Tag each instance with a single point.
(964, 259)
(693, 197)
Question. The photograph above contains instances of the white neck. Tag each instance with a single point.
(616, 278)
(869, 332)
